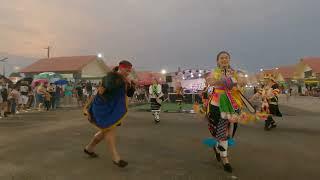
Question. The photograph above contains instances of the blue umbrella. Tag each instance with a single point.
(61, 82)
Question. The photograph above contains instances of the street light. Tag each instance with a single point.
(246, 75)
(261, 69)
(16, 68)
(163, 71)
(100, 55)
(48, 51)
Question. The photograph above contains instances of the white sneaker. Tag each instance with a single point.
(158, 116)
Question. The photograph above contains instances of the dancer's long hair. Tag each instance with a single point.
(113, 83)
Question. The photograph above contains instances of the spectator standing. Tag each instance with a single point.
(4, 95)
(51, 90)
(89, 89)
(58, 94)
(24, 89)
(47, 100)
(13, 98)
(40, 91)
(79, 94)
(68, 94)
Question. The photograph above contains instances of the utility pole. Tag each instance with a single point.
(3, 60)
(48, 51)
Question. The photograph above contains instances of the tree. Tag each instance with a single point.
(15, 74)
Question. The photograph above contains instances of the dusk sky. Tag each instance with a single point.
(162, 33)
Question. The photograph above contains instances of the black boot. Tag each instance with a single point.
(121, 163)
(267, 125)
(227, 167)
(267, 128)
(273, 124)
(217, 154)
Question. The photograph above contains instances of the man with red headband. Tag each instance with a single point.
(108, 108)
(125, 68)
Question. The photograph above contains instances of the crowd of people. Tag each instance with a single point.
(14, 99)
(23, 97)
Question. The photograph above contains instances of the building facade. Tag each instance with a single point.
(74, 67)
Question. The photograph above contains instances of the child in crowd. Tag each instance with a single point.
(47, 100)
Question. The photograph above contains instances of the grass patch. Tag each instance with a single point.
(170, 107)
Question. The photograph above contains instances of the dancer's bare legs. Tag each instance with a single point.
(110, 137)
(97, 138)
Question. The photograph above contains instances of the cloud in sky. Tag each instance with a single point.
(166, 33)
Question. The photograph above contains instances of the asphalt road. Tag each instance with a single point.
(48, 146)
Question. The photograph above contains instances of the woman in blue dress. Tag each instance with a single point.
(106, 110)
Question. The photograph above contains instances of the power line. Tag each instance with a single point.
(48, 51)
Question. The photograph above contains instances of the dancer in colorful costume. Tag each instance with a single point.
(261, 104)
(179, 100)
(266, 104)
(224, 107)
(272, 93)
(156, 97)
(106, 110)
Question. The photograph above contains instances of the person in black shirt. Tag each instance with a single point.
(89, 89)
(57, 95)
(273, 105)
(51, 90)
(79, 95)
(4, 100)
